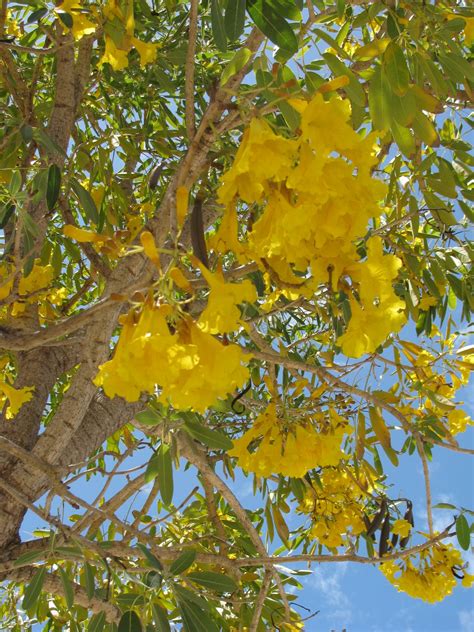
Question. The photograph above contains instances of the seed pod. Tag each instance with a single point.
(198, 240)
(409, 518)
(155, 175)
(379, 516)
(394, 540)
(384, 535)
(454, 571)
(367, 526)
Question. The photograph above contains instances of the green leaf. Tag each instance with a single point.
(463, 532)
(85, 200)
(89, 580)
(151, 471)
(403, 109)
(237, 62)
(439, 400)
(404, 139)
(130, 622)
(273, 25)
(29, 557)
(379, 100)
(15, 182)
(97, 622)
(66, 19)
(194, 618)
(213, 581)
(183, 562)
(354, 90)
(379, 427)
(131, 600)
(444, 506)
(53, 186)
(396, 68)
(456, 67)
(425, 130)
(68, 588)
(235, 19)
(218, 27)
(154, 561)
(160, 618)
(212, 438)
(43, 139)
(149, 417)
(165, 473)
(34, 588)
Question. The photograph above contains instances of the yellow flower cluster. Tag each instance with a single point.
(30, 287)
(432, 578)
(279, 450)
(192, 367)
(119, 31)
(336, 508)
(380, 311)
(318, 196)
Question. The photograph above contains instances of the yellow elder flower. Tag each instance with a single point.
(116, 57)
(222, 314)
(370, 326)
(401, 527)
(146, 50)
(80, 24)
(458, 421)
(431, 579)
(192, 368)
(16, 397)
(262, 156)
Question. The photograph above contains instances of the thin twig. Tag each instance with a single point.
(189, 79)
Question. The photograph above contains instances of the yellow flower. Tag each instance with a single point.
(431, 579)
(16, 397)
(80, 24)
(261, 157)
(116, 57)
(193, 369)
(458, 421)
(222, 314)
(146, 50)
(401, 527)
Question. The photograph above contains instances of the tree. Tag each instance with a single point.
(220, 219)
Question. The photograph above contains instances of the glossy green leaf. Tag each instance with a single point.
(218, 27)
(151, 471)
(53, 186)
(463, 532)
(68, 588)
(195, 619)
(213, 581)
(404, 139)
(97, 622)
(165, 473)
(34, 588)
(396, 69)
(85, 200)
(154, 561)
(130, 622)
(354, 90)
(425, 130)
(212, 438)
(237, 62)
(379, 100)
(149, 417)
(235, 19)
(183, 562)
(160, 618)
(89, 579)
(273, 25)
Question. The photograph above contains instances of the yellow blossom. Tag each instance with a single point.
(146, 50)
(458, 421)
(428, 576)
(116, 57)
(80, 24)
(401, 527)
(222, 314)
(16, 397)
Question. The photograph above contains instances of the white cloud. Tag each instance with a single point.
(466, 620)
(329, 584)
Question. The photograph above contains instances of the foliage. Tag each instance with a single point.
(236, 236)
